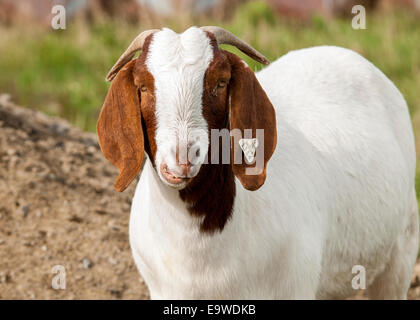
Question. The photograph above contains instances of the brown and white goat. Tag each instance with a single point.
(338, 191)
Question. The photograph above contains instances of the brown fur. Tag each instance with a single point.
(119, 128)
(250, 108)
(142, 77)
(120, 125)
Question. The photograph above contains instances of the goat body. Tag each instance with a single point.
(339, 193)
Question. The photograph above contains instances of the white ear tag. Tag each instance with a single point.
(249, 146)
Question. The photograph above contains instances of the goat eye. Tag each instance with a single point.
(143, 88)
(222, 84)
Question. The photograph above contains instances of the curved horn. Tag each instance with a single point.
(225, 37)
(135, 45)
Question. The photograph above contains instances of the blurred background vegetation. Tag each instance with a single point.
(61, 72)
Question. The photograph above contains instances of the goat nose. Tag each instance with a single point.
(182, 159)
(185, 168)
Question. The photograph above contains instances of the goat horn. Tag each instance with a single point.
(135, 45)
(225, 37)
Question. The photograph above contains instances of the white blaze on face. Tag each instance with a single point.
(178, 63)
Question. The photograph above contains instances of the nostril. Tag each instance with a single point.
(197, 153)
(185, 168)
(185, 165)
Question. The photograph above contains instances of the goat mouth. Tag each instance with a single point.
(170, 177)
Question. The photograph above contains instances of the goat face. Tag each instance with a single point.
(178, 64)
(167, 101)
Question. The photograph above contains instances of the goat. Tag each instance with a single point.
(335, 188)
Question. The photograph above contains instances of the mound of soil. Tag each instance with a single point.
(58, 208)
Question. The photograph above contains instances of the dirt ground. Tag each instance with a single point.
(58, 207)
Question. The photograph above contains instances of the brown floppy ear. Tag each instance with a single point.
(119, 127)
(250, 109)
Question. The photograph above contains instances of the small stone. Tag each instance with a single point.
(5, 277)
(42, 233)
(75, 218)
(59, 144)
(1, 242)
(29, 243)
(44, 248)
(25, 210)
(79, 277)
(90, 142)
(117, 293)
(113, 225)
(91, 149)
(112, 261)
(87, 264)
(59, 128)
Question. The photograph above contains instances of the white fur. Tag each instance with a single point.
(339, 192)
(178, 92)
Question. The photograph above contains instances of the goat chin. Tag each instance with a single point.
(339, 193)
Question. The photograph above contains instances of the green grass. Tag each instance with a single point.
(62, 72)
